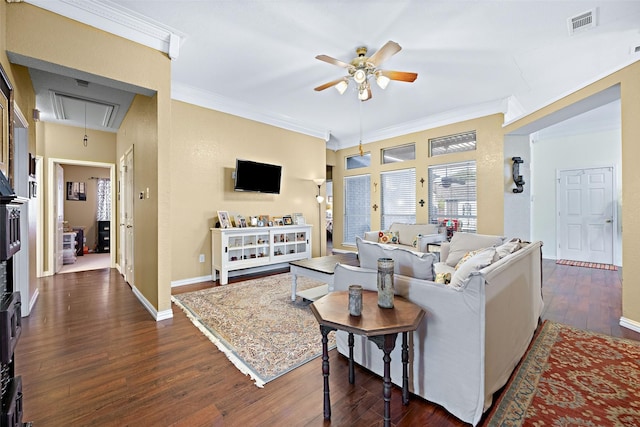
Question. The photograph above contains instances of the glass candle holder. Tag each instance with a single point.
(385, 282)
(355, 300)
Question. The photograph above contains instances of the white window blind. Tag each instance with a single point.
(357, 217)
(452, 196)
(398, 197)
(452, 143)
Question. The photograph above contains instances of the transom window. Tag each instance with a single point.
(452, 143)
(399, 154)
(358, 161)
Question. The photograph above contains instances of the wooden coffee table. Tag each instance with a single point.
(380, 325)
(319, 268)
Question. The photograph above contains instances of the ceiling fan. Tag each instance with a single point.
(363, 67)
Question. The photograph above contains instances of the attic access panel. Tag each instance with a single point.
(73, 108)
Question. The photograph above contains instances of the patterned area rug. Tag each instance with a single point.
(256, 325)
(587, 264)
(571, 377)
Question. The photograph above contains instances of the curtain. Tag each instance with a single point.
(104, 199)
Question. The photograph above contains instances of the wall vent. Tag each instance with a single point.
(582, 22)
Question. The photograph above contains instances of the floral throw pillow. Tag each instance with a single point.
(388, 237)
(415, 240)
(443, 278)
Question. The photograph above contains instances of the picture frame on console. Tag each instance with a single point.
(241, 222)
(287, 220)
(225, 221)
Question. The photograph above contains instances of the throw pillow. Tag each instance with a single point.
(388, 237)
(461, 243)
(466, 257)
(477, 262)
(508, 248)
(368, 253)
(443, 278)
(415, 240)
(406, 262)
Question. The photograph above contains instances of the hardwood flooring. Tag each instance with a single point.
(91, 355)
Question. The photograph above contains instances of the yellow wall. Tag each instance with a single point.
(204, 156)
(489, 165)
(629, 80)
(139, 130)
(39, 34)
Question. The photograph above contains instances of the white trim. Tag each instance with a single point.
(630, 324)
(40, 221)
(191, 281)
(202, 98)
(115, 19)
(158, 315)
(33, 299)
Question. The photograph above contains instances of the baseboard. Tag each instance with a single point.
(158, 315)
(34, 297)
(191, 281)
(630, 324)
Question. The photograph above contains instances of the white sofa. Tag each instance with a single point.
(407, 234)
(472, 335)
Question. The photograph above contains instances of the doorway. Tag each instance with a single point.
(55, 233)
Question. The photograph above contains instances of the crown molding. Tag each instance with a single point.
(437, 120)
(112, 18)
(192, 95)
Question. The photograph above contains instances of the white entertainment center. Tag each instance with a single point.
(249, 247)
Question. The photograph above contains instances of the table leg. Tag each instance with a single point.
(386, 343)
(405, 369)
(324, 330)
(352, 375)
(294, 285)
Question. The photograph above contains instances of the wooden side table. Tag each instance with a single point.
(380, 325)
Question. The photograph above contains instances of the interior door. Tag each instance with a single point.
(128, 216)
(586, 214)
(122, 229)
(59, 217)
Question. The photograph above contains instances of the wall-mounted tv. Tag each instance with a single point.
(258, 177)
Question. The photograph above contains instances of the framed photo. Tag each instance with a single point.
(287, 220)
(277, 222)
(241, 222)
(225, 221)
(76, 191)
(264, 219)
(298, 219)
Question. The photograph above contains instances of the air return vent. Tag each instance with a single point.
(582, 22)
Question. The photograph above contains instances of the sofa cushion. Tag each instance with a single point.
(461, 243)
(508, 248)
(477, 261)
(389, 237)
(406, 262)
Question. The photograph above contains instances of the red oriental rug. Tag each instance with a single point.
(587, 264)
(571, 377)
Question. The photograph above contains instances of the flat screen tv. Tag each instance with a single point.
(257, 177)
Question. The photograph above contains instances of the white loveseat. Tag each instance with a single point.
(408, 234)
(472, 335)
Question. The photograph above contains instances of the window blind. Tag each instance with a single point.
(398, 197)
(357, 217)
(452, 196)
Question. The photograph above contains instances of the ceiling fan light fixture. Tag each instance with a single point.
(342, 86)
(360, 76)
(363, 93)
(382, 81)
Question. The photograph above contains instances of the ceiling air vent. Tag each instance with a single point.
(582, 22)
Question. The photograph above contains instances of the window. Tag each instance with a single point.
(398, 197)
(452, 196)
(358, 161)
(399, 154)
(452, 143)
(357, 217)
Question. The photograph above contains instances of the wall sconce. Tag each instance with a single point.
(517, 178)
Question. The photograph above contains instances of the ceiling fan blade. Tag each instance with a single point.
(331, 83)
(402, 76)
(384, 53)
(333, 61)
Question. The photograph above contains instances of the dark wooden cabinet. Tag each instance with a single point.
(104, 236)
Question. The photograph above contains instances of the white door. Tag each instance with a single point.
(121, 217)
(59, 217)
(128, 216)
(586, 214)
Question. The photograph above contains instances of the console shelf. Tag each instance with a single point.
(240, 248)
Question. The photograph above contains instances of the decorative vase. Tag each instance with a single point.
(355, 300)
(385, 282)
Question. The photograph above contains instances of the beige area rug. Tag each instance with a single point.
(256, 325)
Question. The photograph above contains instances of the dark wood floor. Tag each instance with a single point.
(91, 355)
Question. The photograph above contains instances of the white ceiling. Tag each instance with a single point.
(257, 58)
